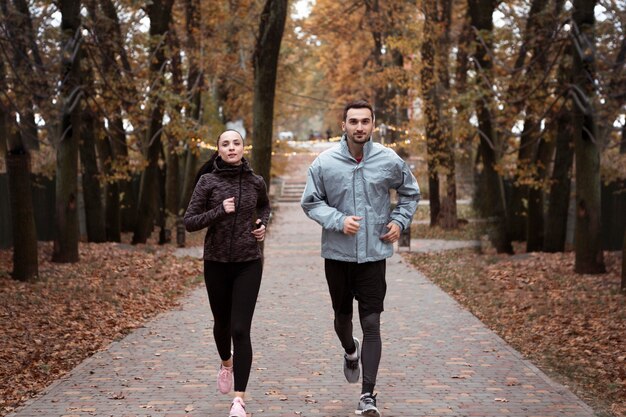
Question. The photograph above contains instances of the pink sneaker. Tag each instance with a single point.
(225, 379)
(238, 409)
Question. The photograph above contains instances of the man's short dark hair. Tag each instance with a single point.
(357, 104)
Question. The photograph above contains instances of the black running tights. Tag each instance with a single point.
(233, 289)
(371, 346)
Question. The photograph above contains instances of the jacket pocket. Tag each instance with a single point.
(376, 248)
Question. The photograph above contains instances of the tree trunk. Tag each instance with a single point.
(29, 64)
(120, 195)
(435, 86)
(536, 197)
(233, 51)
(588, 243)
(428, 86)
(171, 189)
(160, 15)
(90, 129)
(165, 234)
(115, 32)
(149, 188)
(128, 196)
(560, 189)
(67, 230)
(94, 212)
(518, 222)
(373, 15)
(189, 175)
(398, 115)
(172, 183)
(614, 102)
(18, 29)
(461, 118)
(111, 192)
(195, 86)
(4, 122)
(494, 204)
(172, 173)
(24, 233)
(622, 150)
(448, 216)
(265, 63)
(25, 261)
(623, 285)
(541, 143)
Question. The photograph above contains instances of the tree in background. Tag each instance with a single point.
(14, 148)
(490, 187)
(542, 29)
(563, 126)
(195, 86)
(623, 283)
(71, 94)
(588, 245)
(514, 96)
(160, 13)
(112, 149)
(91, 127)
(530, 67)
(265, 62)
(435, 88)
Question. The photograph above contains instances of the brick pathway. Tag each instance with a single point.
(438, 359)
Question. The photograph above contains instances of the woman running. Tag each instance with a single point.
(232, 203)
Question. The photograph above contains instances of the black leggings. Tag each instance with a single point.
(365, 282)
(233, 289)
(371, 349)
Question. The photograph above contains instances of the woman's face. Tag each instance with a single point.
(230, 147)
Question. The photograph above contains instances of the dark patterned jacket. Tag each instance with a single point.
(229, 237)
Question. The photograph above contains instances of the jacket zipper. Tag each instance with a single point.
(232, 233)
(356, 236)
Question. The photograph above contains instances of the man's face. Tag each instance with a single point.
(358, 125)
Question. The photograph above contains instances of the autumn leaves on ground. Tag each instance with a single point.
(571, 326)
(50, 326)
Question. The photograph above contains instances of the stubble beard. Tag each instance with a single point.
(361, 141)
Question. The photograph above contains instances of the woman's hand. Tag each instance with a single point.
(259, 231)
(229, 205)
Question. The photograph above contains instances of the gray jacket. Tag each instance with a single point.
(337, 186)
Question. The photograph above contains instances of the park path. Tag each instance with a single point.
(438, 359)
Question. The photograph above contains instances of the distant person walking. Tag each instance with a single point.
(348, 194)
(232, 203)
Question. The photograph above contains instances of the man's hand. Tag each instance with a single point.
(351, 225)
(393, 234)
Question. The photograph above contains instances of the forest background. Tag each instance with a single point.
(118, 102)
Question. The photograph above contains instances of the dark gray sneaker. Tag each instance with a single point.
(352, 368)
(367, 406)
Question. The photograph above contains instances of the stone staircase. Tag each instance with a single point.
(291, 191)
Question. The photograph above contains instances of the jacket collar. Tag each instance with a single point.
(222, 168)
(346, 151)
